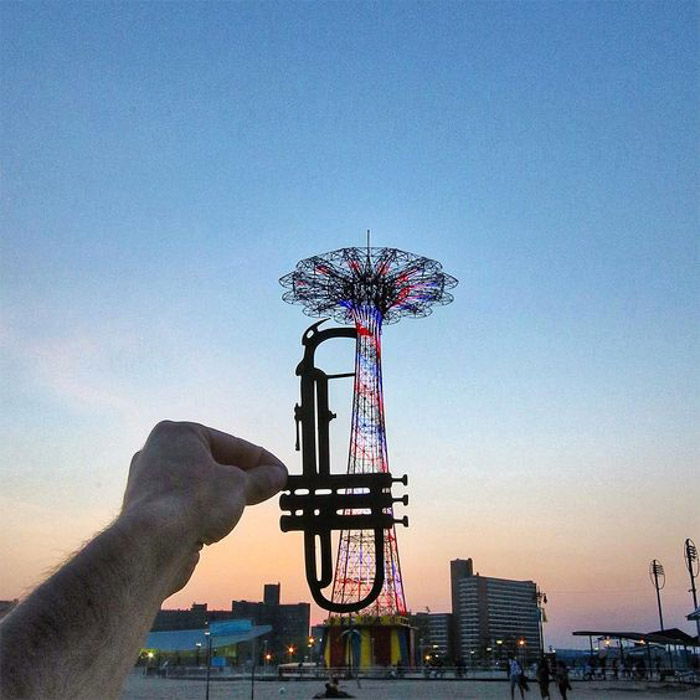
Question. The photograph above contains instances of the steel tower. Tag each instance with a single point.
(368, 287)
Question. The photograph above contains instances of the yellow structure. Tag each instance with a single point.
(362, 641)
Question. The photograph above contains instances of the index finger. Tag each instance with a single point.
(234, 451)
(263, 482)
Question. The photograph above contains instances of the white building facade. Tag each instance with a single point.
(493, 616)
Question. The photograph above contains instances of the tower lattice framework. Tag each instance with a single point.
(368, 287)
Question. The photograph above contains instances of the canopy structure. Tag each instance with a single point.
(222, 634)
(663, 637)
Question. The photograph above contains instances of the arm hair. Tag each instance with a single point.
(75, 636)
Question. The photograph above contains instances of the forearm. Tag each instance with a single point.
(77, 635)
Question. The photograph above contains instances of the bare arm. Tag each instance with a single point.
(78, 634)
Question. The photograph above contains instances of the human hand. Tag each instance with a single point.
(192, 484)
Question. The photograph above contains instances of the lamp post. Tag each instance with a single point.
(658, 579)
(522, 644)
(266, 656)
(149, 658)
(541, 599)
(691, 561)
(208, 636)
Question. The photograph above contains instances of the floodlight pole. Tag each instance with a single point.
(206, 690)
(691, 561)
(658, 579)
(541, 600)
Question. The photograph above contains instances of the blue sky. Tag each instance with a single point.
(165, 163)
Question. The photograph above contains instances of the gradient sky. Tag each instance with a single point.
(165, 163)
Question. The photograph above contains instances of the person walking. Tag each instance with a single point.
(562, 678)
(543, 676)
(515, 676)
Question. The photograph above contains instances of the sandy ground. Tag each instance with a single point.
(140, 688)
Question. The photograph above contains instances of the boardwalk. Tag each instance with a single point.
(140, 688)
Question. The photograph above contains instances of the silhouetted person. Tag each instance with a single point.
(561, 675)
(543, 676)
(333, 691)
(515, 675)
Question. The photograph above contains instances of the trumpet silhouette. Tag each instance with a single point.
(320, 502)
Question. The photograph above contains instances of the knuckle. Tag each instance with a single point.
(236, 479)
(170, 428)
(164, 427)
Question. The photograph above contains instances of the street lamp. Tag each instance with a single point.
(208, 637)
(693, 565)
(541, 617)
(658, 580)
(149, 658)
(267, 657)
(522, 653)
(290, 651)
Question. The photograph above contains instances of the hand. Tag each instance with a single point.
(192, 484)
(187, 487)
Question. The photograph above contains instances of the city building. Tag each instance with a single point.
(289, 623)
(197, 617)
(493, 616)
(433, 636)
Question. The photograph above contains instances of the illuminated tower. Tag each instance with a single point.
(368, 287)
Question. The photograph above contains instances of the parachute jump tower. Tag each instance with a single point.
(368, 287)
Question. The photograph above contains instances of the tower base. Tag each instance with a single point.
(363, 641)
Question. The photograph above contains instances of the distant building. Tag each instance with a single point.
(493, 616)
(197, 617)
(459, 569)
(271, 593)
(290, 623)
(316, 646)
(433, 635)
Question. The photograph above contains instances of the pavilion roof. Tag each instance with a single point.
(667, 636)
(187, 640)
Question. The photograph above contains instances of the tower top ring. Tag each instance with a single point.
(392, 281)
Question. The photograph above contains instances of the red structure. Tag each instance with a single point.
(368, 287)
